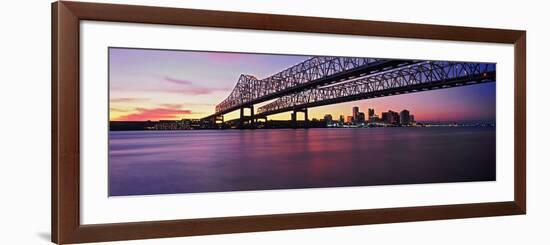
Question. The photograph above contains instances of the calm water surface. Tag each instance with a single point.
(161, 162)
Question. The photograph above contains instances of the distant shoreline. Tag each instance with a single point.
(177, 126)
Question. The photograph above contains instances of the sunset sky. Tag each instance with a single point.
(171, 85)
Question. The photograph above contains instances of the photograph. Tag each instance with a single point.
(192, 121)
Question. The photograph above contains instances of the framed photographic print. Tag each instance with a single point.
(175, 122)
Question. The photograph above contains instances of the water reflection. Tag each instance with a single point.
(161, 162)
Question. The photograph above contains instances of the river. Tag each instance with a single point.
(163, 162)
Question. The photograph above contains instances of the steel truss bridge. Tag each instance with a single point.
(322, 81)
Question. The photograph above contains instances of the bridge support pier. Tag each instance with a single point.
(251, 122)
(246, 121)
(306, 119)
(294, 116)
(241, 118)
(293, 119)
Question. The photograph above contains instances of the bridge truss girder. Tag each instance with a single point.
(319, 70)
(412, 78)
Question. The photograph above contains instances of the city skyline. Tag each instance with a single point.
(172, 85)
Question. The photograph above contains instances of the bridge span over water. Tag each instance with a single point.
(321, 81)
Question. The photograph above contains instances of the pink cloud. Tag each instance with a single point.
(198, 90)
(177, 106)
(189, 88)
(154, 114)
(178, 81)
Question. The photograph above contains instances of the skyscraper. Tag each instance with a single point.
(328, 119)
(405, 118)
(370, 114)
(360, 118)
(394, 117)
(355, 113)
(390, 117)
(386, 117)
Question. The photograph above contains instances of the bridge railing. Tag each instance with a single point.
(413, 76)
(249, 88)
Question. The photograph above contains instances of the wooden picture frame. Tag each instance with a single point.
(65, 174)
